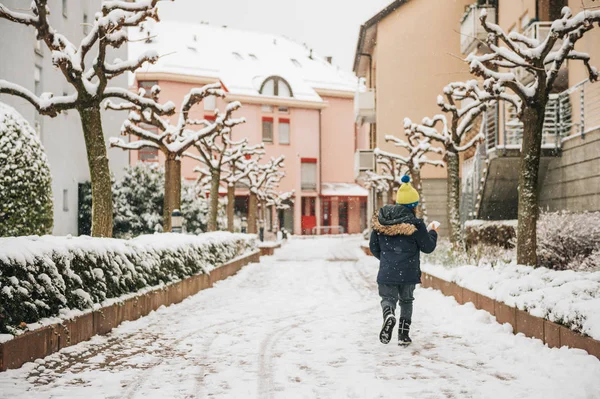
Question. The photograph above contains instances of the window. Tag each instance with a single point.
(284, 131)
(38, 47)
(64, 8)
(267, 108)
(276, 86)
(253, 57)
(65, 113)
(296, 63)
(237, 56)
(267, 129)
(284, 110)
(210, 103)
(37, 80)
(148, 154)
(38, 126)
(147, 85)
(66, 200)
(86, 26)
(308, 174)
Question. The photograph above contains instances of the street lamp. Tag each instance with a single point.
(176, 221)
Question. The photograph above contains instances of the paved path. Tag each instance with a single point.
(304, 324)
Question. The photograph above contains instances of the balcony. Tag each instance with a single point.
(537, 31)
(364, 106)
(471, 30)
(364, 160)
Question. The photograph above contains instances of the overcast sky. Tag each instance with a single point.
(328, 26)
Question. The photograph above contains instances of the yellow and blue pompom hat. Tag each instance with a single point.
(407, 195)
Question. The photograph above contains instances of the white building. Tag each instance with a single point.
(26, 62)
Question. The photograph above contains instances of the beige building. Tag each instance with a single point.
(411, 49)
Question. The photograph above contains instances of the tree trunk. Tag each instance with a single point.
(252, 212)
(215, 180)
(417, 184)
(230, 206)
(172, 190)
(533, 123)
(102, 201)
(453, 204)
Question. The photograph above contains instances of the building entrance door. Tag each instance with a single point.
(343, 214)
(326, 216)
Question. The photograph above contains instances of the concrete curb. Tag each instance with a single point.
(50, 339)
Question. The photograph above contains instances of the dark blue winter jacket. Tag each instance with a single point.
(397, 240)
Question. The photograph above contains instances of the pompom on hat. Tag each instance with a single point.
(407, 195)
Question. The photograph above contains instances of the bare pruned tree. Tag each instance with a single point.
(241, 160)
(387, 178)
(86, 69)
(465, 102)
(173, 140)
(417, 147)
(542, 60)
(213, 150)
(260, 178)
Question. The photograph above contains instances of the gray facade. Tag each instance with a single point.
(435, 192)
(573, 180)
(61, 136)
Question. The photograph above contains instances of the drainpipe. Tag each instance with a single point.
(320, 165)
(370, 68)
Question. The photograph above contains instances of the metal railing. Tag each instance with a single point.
(491, 126)
(557, 122)
(472, 184)
(585, 115)
(538, 31)
(471, 31)
(328, 229)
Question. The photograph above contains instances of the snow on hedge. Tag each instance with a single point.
(25, 182)
(46, 276)
(565, 297)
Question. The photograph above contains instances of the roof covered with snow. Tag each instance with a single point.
(242, 60)
(343, 190)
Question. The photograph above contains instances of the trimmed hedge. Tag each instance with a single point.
(44, 276)
(501, 233)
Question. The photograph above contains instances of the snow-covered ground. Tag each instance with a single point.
(304, 324)
(563, 296)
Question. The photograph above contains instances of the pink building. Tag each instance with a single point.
(296, 102)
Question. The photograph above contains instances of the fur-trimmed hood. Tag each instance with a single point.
(395, 220)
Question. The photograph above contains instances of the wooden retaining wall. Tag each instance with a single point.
(552, 334)
(50, 339)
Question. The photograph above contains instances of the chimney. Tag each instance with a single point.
(329, 59)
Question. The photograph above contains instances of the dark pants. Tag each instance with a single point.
(391, 294)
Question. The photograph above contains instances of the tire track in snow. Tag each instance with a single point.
(269, 344)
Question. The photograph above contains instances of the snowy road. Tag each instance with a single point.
(304, 324)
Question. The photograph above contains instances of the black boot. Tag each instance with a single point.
(389, 321)
(403, 330)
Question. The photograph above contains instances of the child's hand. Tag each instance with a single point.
(435, 225)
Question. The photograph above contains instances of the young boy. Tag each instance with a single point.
(397, 240)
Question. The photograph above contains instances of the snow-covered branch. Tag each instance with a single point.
(46, 104)
(109, 29)
(540, 58)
